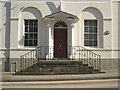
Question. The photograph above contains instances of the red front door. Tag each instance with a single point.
(60, 42)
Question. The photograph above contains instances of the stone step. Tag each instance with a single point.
(58, 67)
(58, 62)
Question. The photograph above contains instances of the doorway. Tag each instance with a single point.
(60, 40)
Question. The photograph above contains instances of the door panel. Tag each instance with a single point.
(60, 42)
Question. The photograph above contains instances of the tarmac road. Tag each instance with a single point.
(100, 83)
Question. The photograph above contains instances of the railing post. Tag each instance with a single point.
(94, 58)
(79, 53)
(95, 61)
(87, 57)
(28, 59)
(99, 62)
(38, 53)
(33, 57)
(45, 52)
(25, 61)
(21, 64)
(84, 55)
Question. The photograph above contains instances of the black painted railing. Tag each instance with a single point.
(78, 53)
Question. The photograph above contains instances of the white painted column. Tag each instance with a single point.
(50, 32)
(72, 30)
(73, 43)
(50, 42)
(72, 49)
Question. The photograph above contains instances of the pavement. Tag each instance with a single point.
(9, 77)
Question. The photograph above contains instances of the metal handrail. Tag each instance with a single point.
(47, 53)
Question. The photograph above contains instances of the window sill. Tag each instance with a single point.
(98, 48)
(94, 48)
(30, 47)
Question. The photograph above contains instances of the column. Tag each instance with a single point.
(50, 41)
(71, 39)
(50, 33)
(72, 30)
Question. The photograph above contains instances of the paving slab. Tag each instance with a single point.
(10, 77)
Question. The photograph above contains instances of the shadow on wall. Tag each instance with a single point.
(93, 11)
(7, 36)
(52, 7)
(21, 41)
(33, 11)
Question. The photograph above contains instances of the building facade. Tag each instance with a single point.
(27, 25)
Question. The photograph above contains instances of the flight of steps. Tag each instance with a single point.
(46, 67)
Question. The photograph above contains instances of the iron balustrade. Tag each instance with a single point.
(77, 53)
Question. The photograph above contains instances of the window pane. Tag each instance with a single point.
(95, 29)
(90, 43)
(26, 29)
(26, 22)
(31, 36)
(31, 29)
(30, 42)
(35, 29)
(90, 36)
(86, 29)
(90, 22)
(91, 29)
(35, 22)
(95, 36)
(26, 36)
(95, 43)
(86, 23)
(26, 43)
(31, 22)
(95, 22)
(86, 43)
(86, 36)
(35, 42)
(35, 36)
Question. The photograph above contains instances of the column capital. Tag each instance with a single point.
(49, 21)
(72, 24)
(49, 24)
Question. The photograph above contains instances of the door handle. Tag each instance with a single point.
(60, 45)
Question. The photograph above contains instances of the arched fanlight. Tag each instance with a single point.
(60, 24)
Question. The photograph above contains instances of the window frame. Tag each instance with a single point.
(97, 26)
(24, 34)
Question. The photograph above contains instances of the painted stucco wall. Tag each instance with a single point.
(119, 34)
(119, 30)
(115, 30)
(2, 25)
(1, 37)
(46, 8)
(78, 9)
(18, 14)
